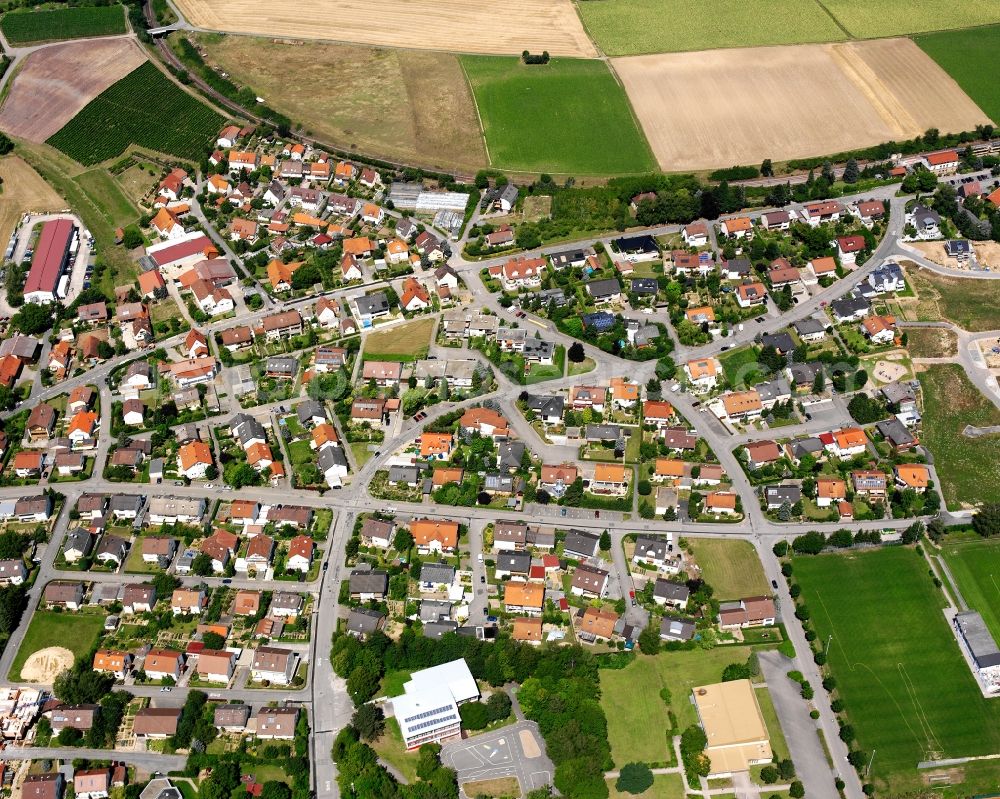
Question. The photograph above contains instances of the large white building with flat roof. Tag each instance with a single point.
(427, 711)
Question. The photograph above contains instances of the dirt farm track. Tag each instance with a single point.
(56, 82)
(467, 26)
(789, 102)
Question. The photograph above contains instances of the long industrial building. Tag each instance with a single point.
(50, 260)
(976, 639)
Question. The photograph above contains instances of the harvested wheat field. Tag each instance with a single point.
(789, 102)
(466, 26)
(46, 664)
(397, 104)
(23, 190)
(54, 83)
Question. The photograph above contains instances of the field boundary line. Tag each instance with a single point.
(836, 21)
(631, 110)
(479, 116)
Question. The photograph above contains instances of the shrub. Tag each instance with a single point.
(634, 778)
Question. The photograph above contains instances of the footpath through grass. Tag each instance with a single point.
(23, 27)
(569, 116)
(76, 632)
(966, 467)
(908, 691)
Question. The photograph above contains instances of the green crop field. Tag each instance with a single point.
(144, 108)
(969, 57)
(966, 467)
(870, 20)
(567, 116)
(21, 27)
(908, 691)
(632, 27)
(975, 565)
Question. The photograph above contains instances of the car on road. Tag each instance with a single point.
(485, 611)
(227, 488)
(210, 485)
(482, 578)
(178, 482)
(165, 689)
(727, 347)
(759, 319)
(480, 557)
(326, 566)
(597, 514)
(774, 584)
(562, 511)
(419, 417)
(696, 404)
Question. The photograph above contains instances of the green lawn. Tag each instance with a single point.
(300, 452)
(969, 57)
(779, 746)
(75, 631)
(21, 27)
(393, 681)
(268, 772)
(975, 565)
(134, 564)
(665, 786)
(731, 567)
(631, 27)
(741, 367)
(569, 116)
(908, 691)
(390, 749)
(108, 197)
(966, 467)
(638, 725)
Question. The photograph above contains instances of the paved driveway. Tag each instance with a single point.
(514, 751)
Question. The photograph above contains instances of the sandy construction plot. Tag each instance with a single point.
(46, 664)
(56, 82)
(789, 102)
(465, 26)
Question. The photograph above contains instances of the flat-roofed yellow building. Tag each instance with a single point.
(735, 728)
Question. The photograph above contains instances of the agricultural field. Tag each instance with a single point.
(731, 567)
(580, 120)
(634, 27)
(975, 565)
(144, 108)
(973, 305)
(887, 18)
(76, 632)
(399, 104)
(28, 27)
(55, 83)
(969, 56)
(406, 342)
(474, 26)
(23, 190)
(967, 468)
(830, 98)
(908, 691)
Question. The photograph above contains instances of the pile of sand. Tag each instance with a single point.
(46, 664)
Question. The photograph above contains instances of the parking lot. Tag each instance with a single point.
(515, 751)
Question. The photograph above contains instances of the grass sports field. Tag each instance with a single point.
(732, 568)
(975, 565)
(906, 686)
(969, 57)
(401, 104)
(144, 108)
(406, 342)
(568, 116)
(971, 304)
(631, 27)
(74, 631)
(24, 27)
(966, 467)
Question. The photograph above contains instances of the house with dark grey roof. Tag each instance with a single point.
(284, 367)
(362, 622)
(436, 576)
(676, 629)
(607, 290)
(897, 434)
(580, 544)
(434, 610)
(573, 258)
(653, 551)
(405, 475)
(810, 329)
(436, 629)
(850, 309)
(803, 375)
(782, 342)
(777, 495)
(599, 321)
(603, 432)
(548, 408)
(671, 594)
(310, 412)
(509, 455)
(231, 718)
(371, 306)
(512, 564)
(366, 583)
(644, 286)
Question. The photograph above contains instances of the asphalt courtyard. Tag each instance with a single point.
(514, 751)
